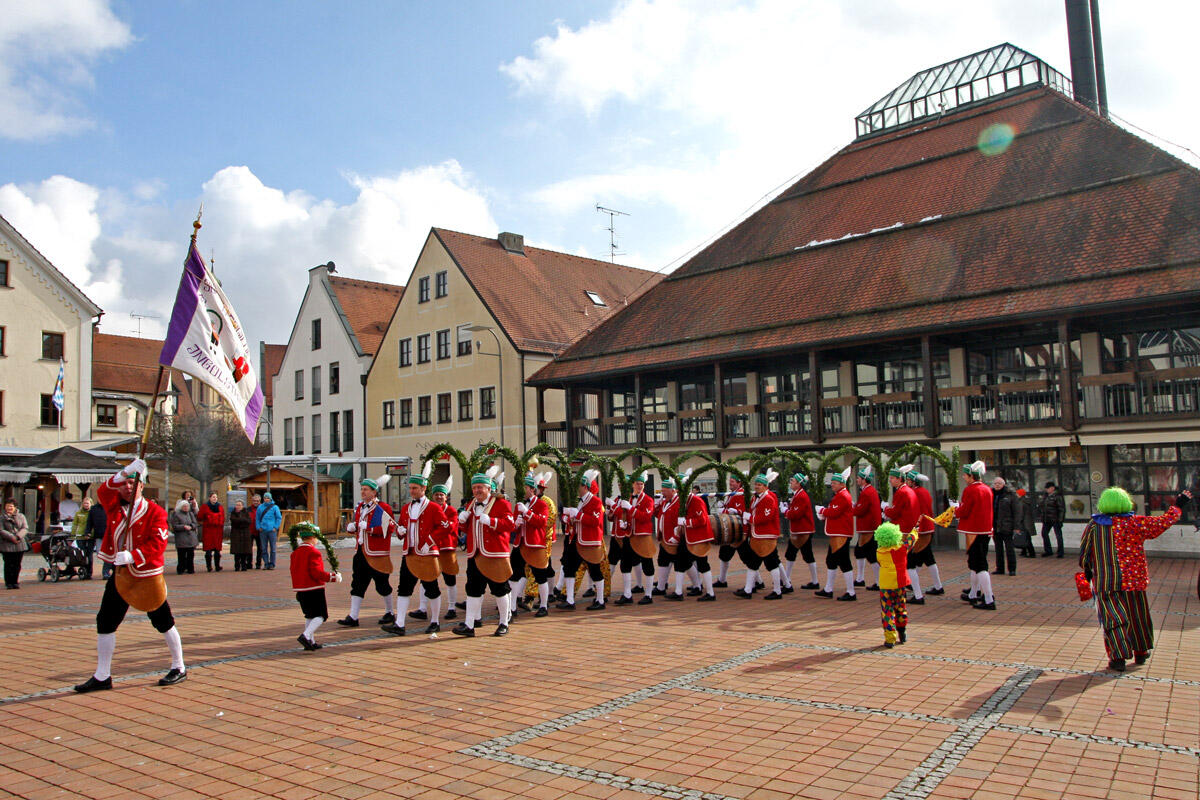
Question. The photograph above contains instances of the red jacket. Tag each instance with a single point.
(867, 515)
(905, 510)
(734, 504)
(764, 516)
(446, 533)
(668, 521)
(376, 540)
(925, 506)
(420, 536)
(696, 528)
(589, 522)
(799, 513)
(839, 515)
(146, 537)
(212, 526)
(640, 515)
(491, 539)
(531, 526)
(974, 510)
(308, 568)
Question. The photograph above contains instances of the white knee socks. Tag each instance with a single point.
(424, 604)
(678, 583)
(176, 648)
(543, 594)
(849, 578)
(860, 568)
(647, 584)
(776, 580)
(599, 590)
(708, 582)
(504, 606)
(389, 602)
(874, 575)
(974, 585)
(435, 608)
(106, 645)
(693, 575)
(451, 596)
(830, 580)
(916, 584)
(936, 576)
(571, 590)
(474, 610)
(812, 573)
(627, 584)
(985, 586)
(785, 572)
(310, 628)
(355, 606)
(724, 571)
(402, 610)
(751, 579)
(661, 581)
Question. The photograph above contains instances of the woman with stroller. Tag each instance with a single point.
(212, 527)
(241, 537)
(184, 525)
(14, 532)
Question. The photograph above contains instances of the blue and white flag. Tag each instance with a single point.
(57, 397)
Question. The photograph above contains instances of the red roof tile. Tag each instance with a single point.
(129, 365)
(272, 359)
(1074, 207)
(368, 306)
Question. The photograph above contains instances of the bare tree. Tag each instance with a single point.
(205, 445)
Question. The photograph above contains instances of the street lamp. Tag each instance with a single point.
(500, 362)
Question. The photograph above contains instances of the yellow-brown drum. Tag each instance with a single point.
(591, 553)
(448, 561)
(144, 594)
(536, 557)
(380, 563)
(762, 547)
(494, 568)
(643, 545)
(727, 529)
(426, 568)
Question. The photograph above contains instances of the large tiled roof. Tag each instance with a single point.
(918, 230)
(129, 365)
(272, 358)
(540, 297)
(368, 306)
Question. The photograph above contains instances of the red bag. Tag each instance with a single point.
(1083, 586)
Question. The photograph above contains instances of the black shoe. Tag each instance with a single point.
(418, 614)
(860, 583)
(1140, 658)
(623, 601)
(218, 568)
(742, 593)
(557, 595)
(1116, 664)
(596, 606)
(658, 592)
(986, 606)
(706, 598)
(695, 591)
(966, 595)
(451, 614)
(541, 612)
(1060, 555)
(773, 596)
(935, 592)
(997, 572)
(305, 642)
(888, 645)
(645, 601)
(720, 585)
(173, 677)
(1012, 572)
(787, 590)
(674, 597)
(916, 601)
(823, 593)
(903, 635)
(208, 568)
(394, 629)
(874, 587)
(847, 596)
(348, 621)
(637, 590)
(461, 604)
(811, 585)
(433, 628)
(523, 604)
(590, 593)
(387, 619)
(461, 629)
(565, 606)
(1047, 554)
(93, 685)
(502, 629)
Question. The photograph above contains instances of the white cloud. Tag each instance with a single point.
(127, 252)
(46, 49)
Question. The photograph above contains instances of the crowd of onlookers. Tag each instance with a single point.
(1015, 517)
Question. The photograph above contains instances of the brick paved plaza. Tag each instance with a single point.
(740, 699)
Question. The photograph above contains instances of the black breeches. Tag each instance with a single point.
(407, 582)
(805, 551)
(924, 558)
(450, 578)
(702, 565)
(615, 548)
(867, 551)
(726, 553)
(362, 574)
(664, 558)
(113, 608)
(839, 560)
(629, 559)
(518, 563)
(595, 572)
(542, 574)
(476, 583)
(313, 604)
(570, 559)
(977, 554)
(683, 558)
(647, 567)
(771, 559)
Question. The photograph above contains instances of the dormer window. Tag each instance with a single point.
(596, 299)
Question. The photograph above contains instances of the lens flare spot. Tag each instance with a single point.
(995, 139)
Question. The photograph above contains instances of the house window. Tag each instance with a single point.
(1031, 468)
(3, 273)
(316, 386)
(299, 436)
(106, 414)
(299, 384)
(487, 402)
(1154, 474)
(443, 408)
(596, 299)
(51, 416)
(3, 331)
(423, 290)
(443, 345)
(316, 433)
(348, 429)
(287, 436)
(406, 413)
(316, 334)
(423, 348)
(423, 410)
(1, 408)
(464, 405)
(334, 378)
(52, 345)
(654, 401)
(335, 438)
(389, 414)
(406, 352)
(440, 289)
(464, 341)
(696, 394)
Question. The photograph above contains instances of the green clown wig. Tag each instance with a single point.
(1114, 500)
(887, 535)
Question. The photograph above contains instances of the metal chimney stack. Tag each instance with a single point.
(1087, 54)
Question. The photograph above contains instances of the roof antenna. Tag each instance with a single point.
(612, 230)
(140, 317)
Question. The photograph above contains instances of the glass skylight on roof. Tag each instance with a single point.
(595, 298)
(969, 79)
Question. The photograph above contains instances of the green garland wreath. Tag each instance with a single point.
(308, 527)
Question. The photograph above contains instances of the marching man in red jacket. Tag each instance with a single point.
(670, 534)
(868, 515)
(762, 521)
(488, 522)
(530, 537)
(974, 513)
(839, 529)
(587, 519)
(373, 526)
(922, 553)
(696, 531)
(799, 513)
(308, 582)
(419, 523)
(636, 520)
(135, 538)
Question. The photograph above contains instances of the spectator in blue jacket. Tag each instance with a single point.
(267, 521)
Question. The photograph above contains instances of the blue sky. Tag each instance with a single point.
(318, 131)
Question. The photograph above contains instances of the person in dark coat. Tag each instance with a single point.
(97, 520)
(1025, 523)
(241, 535)
(185, 526)
(14, 541)
(1004, 522)
(1054, 513)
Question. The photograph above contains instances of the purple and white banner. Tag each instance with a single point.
(205, 340)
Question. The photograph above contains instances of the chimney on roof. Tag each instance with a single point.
(512, 242)
(1087, 54)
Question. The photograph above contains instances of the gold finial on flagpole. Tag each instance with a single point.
(196, 225)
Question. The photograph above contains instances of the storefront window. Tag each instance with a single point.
(1031, 469)
(1156, 474)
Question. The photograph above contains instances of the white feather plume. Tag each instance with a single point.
(545, 477)
(499, 480)
(979, 467)
(492, 472)
(771, 475)
(427, 470)
(591, 475)
(449, 484)
(382, 480)
(846, 473)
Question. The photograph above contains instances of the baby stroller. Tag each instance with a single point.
(63, 558)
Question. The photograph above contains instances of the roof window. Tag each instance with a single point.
(595, 298)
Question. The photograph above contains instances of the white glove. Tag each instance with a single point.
(612, 501)
(571, 513)
(623, 524)
(884, 506)
(745, 516)
(135, 467)
(953, 504)
(362, 525)
(123, 558)
(681, 521)
(626, 505)
(821, 512)
(351, 528)
(335, 577)
(522, 508)
(485, 520)
(462, 517)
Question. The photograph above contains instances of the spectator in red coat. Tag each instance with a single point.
(211, 517)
